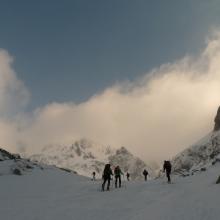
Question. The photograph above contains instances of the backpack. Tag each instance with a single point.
(145, 173)
(117, 171)
(167, 165)
(107, 171)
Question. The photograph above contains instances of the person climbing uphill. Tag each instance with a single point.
(118, 174)
(145, 173)
(107, 173)
(93, 176)
(128, 176)
(167, 167)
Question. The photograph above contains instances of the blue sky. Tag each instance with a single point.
(71, 49)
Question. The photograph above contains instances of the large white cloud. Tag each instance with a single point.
(155, 117)
(13, 94)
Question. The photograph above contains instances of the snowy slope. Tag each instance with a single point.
(83, 156)
(86, 156)
(128, 162)
(201, 155)
(54, 195)
(14, 164)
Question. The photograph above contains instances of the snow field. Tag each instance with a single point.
(52, 194)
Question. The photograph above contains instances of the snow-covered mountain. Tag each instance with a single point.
(86, 156)
(50, 194)
(14, 164)
(201, 155)
(128, 162)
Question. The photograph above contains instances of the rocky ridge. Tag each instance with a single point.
(201, 155)
(86, 156)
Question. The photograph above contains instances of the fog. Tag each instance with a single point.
(155, 116)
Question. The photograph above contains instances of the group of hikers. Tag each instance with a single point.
(107, 175)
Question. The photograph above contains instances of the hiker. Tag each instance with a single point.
(118, 174)
(106, 176)
(145, 173)
(93, 176)
(128, 176)
(167, 167)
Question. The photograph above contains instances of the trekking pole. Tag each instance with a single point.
(100, 186)
(124, 181)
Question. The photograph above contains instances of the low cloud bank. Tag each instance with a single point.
(156, 116)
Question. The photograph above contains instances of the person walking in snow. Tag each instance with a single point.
(118, 174)
(167, 167)
(128, 176)
(107, 173)
(93, 176)
(145, 173)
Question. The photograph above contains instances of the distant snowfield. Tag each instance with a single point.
(55, 195)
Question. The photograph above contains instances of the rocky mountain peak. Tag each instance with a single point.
(86, 156)
(202, 154)
(14, 164)
(217, 120)
(5, 155)
(122, 150)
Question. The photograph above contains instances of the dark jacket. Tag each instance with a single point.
(167, 166)
(145, 173)
(118, 171)
(107, 172)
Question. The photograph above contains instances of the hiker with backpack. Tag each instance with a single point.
(128, 176)
(118, 174)
(107, 173)
(145, 173)
(167, 167)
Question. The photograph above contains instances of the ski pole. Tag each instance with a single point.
(124, 181)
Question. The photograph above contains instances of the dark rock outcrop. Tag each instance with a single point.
(16, 171)
(199, 156)
(5, 155)
(14, 164)
(217, 121)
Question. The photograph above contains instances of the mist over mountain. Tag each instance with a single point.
(202, 154)
(35, 191)
(85, 156)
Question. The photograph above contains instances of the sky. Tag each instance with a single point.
(73, 49)
(117, 72)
